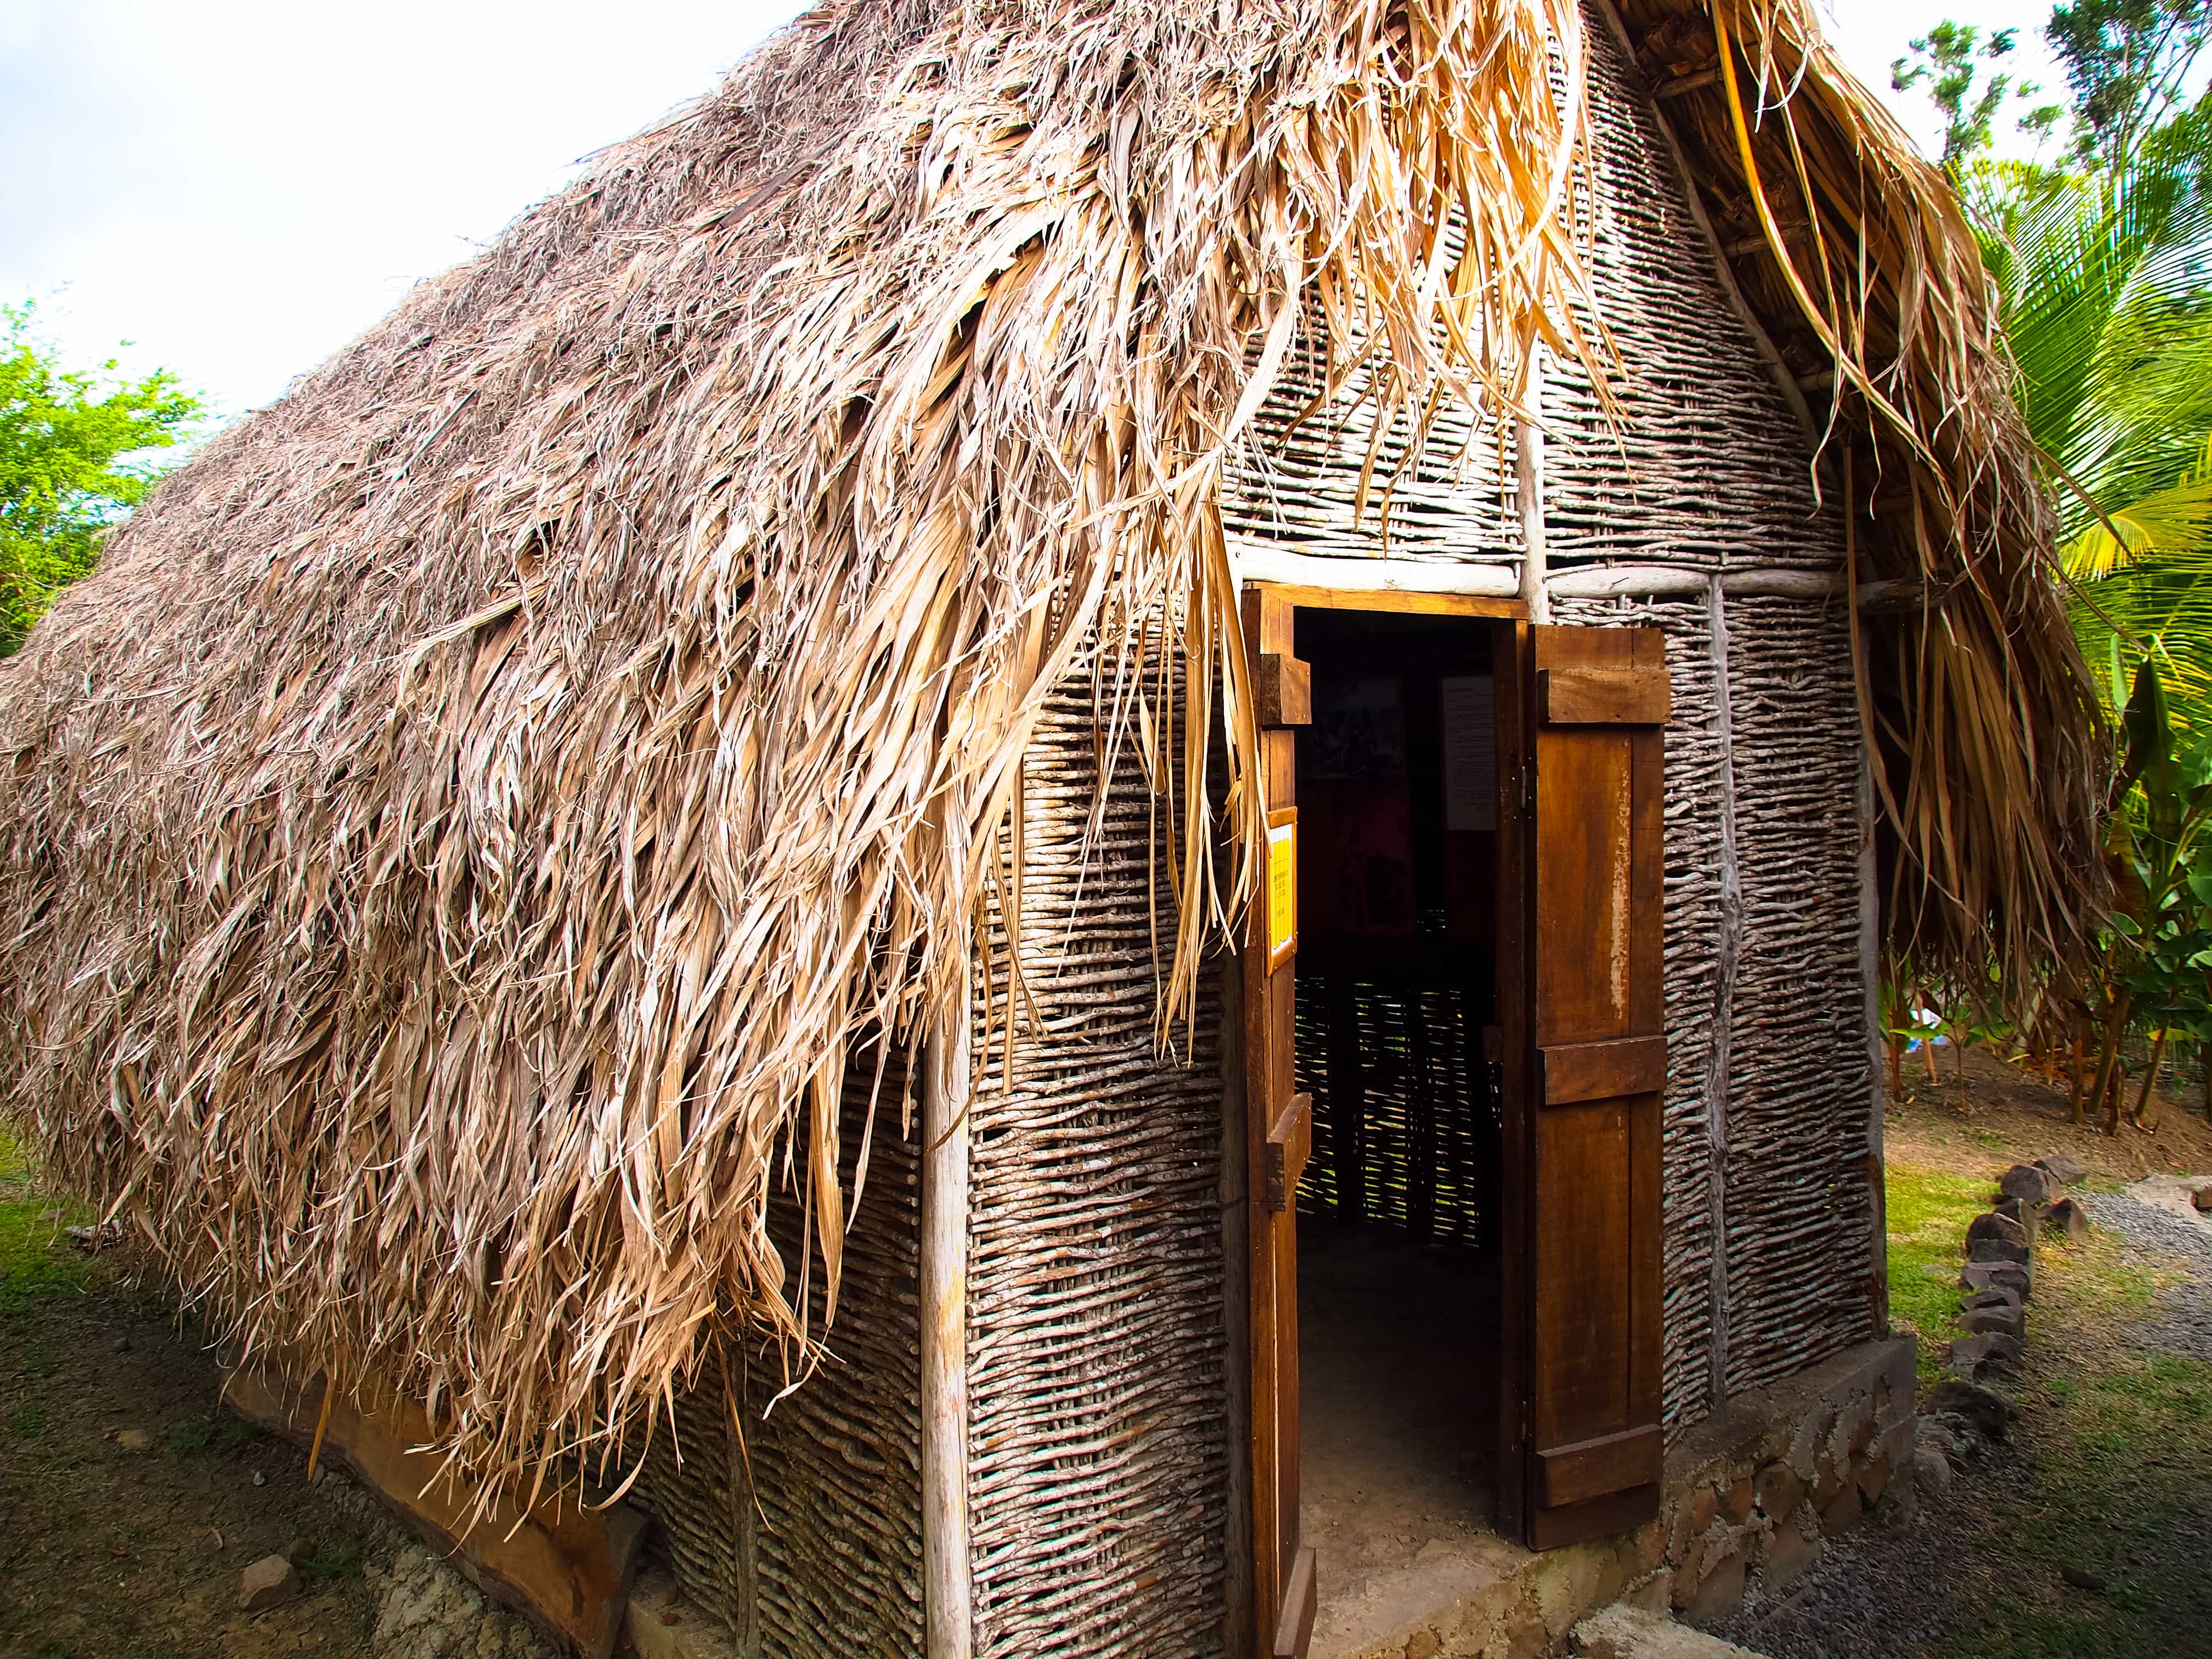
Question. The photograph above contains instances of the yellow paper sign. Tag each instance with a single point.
(1282, 888)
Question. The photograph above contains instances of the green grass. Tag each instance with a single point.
(1928, 1214)
(342, 1561)
(219, 1433)
(26, 1422)
(35, 1259)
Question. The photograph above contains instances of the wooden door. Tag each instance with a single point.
(1278, 1129)
(1581, 716)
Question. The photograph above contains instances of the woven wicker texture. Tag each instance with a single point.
(1098, 1458)
(1298, 481)
(1800, 1234)
(1406, 1126)
(1706, 465)
(835, 1538)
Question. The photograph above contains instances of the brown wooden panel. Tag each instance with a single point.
(1604, 1070)
(1272, 1257)
(1594, 1468)
(1283, 691)
(1583, 1300)
(1301, 1600)
(1604, 697)
(1586, 1039)
(1290, 1144)
(1291, 594)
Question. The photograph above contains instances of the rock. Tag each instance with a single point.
(269, 1582)
(2202, 1198)
(1991, 1224)
(1777, 1489)
(426, 1610)
(1977, 1410)
(2017, 1277)
(1788, 1552)
(2001, 1320)
(2080, 1580)
(2063, 1169)
(2008, 1207)
(1988, 1248)
(1991, 1296)
(1623, 1631)
(1934, 1446)
(1421, 1645)
(1970, 1353)
(1842, 1512)
(298, 1550)
(2068, 1219)
(1720, 1591)
(2027, 1183)
(134, 1440)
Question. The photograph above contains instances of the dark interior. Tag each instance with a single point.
(1398, 1224)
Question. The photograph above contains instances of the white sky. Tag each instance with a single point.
(239, 186)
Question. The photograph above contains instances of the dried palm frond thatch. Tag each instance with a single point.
(459, 834)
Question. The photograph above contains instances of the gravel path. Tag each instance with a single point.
(2183, 1319)
(1880, 1594)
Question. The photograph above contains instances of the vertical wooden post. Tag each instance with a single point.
(1728, 947)
(1239, 1640)
(1529, 482)
(1877, 1049)
(947, 1584)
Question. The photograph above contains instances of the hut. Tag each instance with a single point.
(1077, 821)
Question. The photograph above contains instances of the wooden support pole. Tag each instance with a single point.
(1877, 1048)
(1727, 949)
(947, 1584)
(1529, 484)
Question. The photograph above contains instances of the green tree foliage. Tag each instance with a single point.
(1969, 81)
(2128, 65)
(77, 451)
(2108, 311)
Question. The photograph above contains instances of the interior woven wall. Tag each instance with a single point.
(821, 1494)
(1098, 1472)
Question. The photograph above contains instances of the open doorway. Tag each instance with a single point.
(1399, 1210)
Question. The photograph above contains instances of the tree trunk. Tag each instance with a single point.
(2150, 1076)
(2074, 1064)
(2104, 1095)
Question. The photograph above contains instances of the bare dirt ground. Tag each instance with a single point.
(2004, 1114)
(131, 1501)
(2087, 1533)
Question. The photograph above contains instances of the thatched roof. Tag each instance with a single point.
(458, 831)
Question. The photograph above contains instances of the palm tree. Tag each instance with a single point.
(2106, 281)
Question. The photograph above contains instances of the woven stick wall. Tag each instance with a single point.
(1098, 1446)
(1406, 1109)
(805, 1536)
(1706, 466)
(1297, 480)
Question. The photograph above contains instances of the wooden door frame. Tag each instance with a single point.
(1254, 1077)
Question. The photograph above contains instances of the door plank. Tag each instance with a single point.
(1603, 1071)
(1585, 1058)
(1604, 697)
